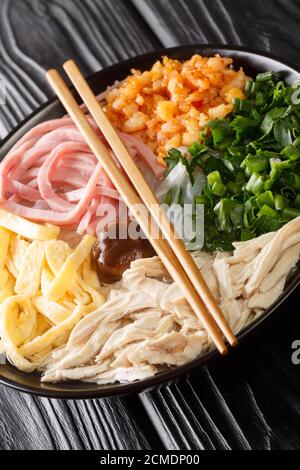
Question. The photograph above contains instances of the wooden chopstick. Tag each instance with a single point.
(133, 202)
(148, 198)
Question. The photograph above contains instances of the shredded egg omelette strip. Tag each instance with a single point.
(46, 288)
(8, 290)
(4, 246)
(20, 317)
(4, 237)
(64, 277)
(56, 334)
(89, 275)
(17, 248)
(4, 276)
(11, 332)
(57, 253)
(53, 311)
(27, 229)
(29, 279)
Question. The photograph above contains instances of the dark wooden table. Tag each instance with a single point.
(251, 399)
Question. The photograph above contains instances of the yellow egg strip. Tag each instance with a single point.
(4, 276)
(27, 229)
(89, 275)
(13, 332)
(56, 335)
(42, 325)
(46, 288)
(19, 316)
(12, 269)
(57, 252)
(17, 249)
(46, 279)
(29, 279)
(8, 290)
(4, 237)
(64, 277)
(97, 297)
(55, 312)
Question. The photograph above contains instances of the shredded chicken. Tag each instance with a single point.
(124, 374)
(146, 324)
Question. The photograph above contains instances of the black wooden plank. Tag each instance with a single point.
(270, 25)
(96, 32)
(22, 424)
(36, 35)
(173, 415)
(39, 423)
(245, 401)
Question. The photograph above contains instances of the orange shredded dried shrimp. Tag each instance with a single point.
(168, 105)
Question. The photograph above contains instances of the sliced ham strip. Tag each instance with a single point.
(47, 170)
(52, 176)
(56, 218)
(24, 191)
(86, 219)
(10, 162)
(145, 153)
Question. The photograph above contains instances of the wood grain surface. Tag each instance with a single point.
(249, 400)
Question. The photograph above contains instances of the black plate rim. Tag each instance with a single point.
(175, 373)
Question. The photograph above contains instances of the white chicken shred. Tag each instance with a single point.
(146, 324)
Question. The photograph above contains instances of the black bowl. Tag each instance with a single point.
(253, 62)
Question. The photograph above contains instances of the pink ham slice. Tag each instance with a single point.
(52, 176)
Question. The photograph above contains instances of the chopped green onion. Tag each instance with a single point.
(256, 163)
(280, 202)
(221, 133)
(297, 142)
(242, 124)
(268, 154)
(279, 91)
(291, 213)
(216, 184)
(260, 99)
(288, 193)
(247, 235)
(266, 199)
(297, 201)
(296, 184)
(266, 210)
(251, 160)
(201, 200)
(292, 181)
(169, 197)
(222, 216)
(256, 184)
(249, 88)
(218, 189)
(277, 167)
(197, 149)
(270, 119)
(256, 115)
(233, 187)
(236, 214)
(291, 152)
(243, 107)
(266, 77)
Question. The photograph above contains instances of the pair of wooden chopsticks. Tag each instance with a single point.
(169, 248)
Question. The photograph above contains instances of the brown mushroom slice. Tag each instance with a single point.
(113, 255)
